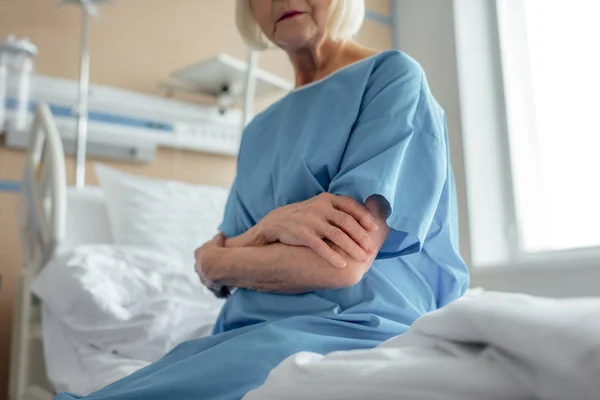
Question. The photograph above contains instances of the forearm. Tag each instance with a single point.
(279, 268)
(247, 263)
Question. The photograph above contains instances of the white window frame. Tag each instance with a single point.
(485, 116)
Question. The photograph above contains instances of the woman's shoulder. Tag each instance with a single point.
(396, 58)
(392, 78)
(397, 90)
(391, 65)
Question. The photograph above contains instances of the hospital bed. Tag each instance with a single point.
(487, 346)
(54, 219)
(42, 215)
(44, 229)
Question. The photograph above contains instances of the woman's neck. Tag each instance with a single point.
(315, 62)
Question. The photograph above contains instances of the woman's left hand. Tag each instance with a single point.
(200, 254)
(318, 221)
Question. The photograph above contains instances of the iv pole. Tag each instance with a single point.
(88, 9)
(250, 87)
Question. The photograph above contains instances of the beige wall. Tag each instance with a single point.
(135, 45)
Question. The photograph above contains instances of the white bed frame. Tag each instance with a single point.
(42, 213)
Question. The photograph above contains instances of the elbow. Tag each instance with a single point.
(351, 275)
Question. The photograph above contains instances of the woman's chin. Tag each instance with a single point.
(293, 41)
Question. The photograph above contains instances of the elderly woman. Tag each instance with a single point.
(340, 230)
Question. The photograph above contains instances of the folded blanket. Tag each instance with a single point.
(491, 346)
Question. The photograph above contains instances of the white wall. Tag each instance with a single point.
(566, 280)
(427, 32)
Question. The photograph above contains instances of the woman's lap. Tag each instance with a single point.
(228, 365)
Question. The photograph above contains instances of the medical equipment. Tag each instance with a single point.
(16, 65)
(129, 126)
(250, 86)
(222, 77)
(125, 126)
(229, 80)
(89, 9)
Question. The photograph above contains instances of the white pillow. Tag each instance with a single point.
(172, 217)
(86, 205)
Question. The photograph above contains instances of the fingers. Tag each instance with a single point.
(344, 242)
(219, 239)
(356, 232)
(356, 210)
(317, 244)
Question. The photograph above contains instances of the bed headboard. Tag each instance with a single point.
(44, 194)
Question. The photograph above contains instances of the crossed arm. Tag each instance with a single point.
(259, 260)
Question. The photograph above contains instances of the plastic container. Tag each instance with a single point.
(16, 73)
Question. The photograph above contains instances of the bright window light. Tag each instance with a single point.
(551, 57)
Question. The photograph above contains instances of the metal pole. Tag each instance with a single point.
(82, 108)
(250, 87)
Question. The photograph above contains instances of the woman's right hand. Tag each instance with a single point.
(340, 220)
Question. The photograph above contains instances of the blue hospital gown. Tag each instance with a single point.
(370, 128)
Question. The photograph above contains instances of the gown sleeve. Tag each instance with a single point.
(397, 150)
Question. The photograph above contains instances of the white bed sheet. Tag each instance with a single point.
(79, 368)
(109, 310)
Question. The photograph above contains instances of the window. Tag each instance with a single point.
(550, 53)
